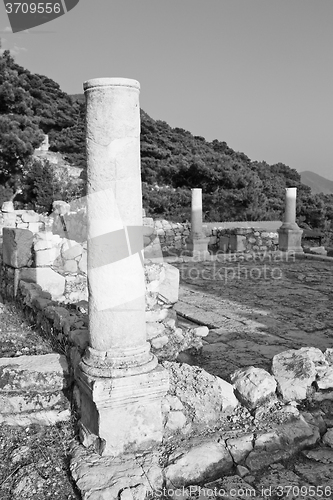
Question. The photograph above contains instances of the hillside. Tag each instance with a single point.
(317, 183)
(235, 188)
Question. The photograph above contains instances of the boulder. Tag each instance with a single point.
(240, 447)
(295, 371)
(281, 443)
(205, 461)
(253, 386)
(328, 438)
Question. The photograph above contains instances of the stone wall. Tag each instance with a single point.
(54, 270)
(161, 237)
(246, 240)
(170, 238)
(24, 219)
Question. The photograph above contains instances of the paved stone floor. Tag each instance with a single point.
(256, 309)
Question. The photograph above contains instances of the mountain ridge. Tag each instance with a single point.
(317, 183)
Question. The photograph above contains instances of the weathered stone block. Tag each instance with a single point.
(224, 243)
(83, 263)
(46, 257)
(132, 404)
(16, 403)
(290, 239)
(253, 386)
(7, 207)
(169, 287)
(237, 243)
(17, 247)
(48, 279)
(205, 396)
(30, 216)
(176, 420)
(204, 462)
(159, 342)
(42, 241)
(240, 447)
(295, 371)
(154, 329)
(70, 266)
(48, 372)
(106, 478)
(71, 249)
(35, 227)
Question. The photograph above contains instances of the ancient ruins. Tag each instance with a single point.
(164, 377)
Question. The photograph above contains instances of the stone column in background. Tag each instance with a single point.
(290, 235)
(121, 384)
(197, 243)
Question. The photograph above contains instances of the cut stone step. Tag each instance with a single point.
(46, 417)
(12, 402)
(42, 373)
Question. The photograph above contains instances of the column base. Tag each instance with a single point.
(118, 362)
(290, 238)
(122, 415)
(198, 248)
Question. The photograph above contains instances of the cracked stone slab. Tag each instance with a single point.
(44, 417)
(323, 455)
(200, 462)
(11, 403)
(105, 477)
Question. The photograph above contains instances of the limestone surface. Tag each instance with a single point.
(200, 462)
(48, 279)
(34, 373)
(296, 370)
(205, 398)
(253, 386)
(17, 247)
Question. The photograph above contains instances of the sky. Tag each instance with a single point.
(257, 74)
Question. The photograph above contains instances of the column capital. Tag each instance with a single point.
(110, 82)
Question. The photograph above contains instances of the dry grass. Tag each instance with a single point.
(35, 464)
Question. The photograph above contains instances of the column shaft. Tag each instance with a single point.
(290, 235)
(197, 243)
(196, 213)
(114, 216)
(290, 206)
(121, 385)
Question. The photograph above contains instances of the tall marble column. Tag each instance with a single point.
(197, 243)
(290, 208)
(120, 381)
(290, 235)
